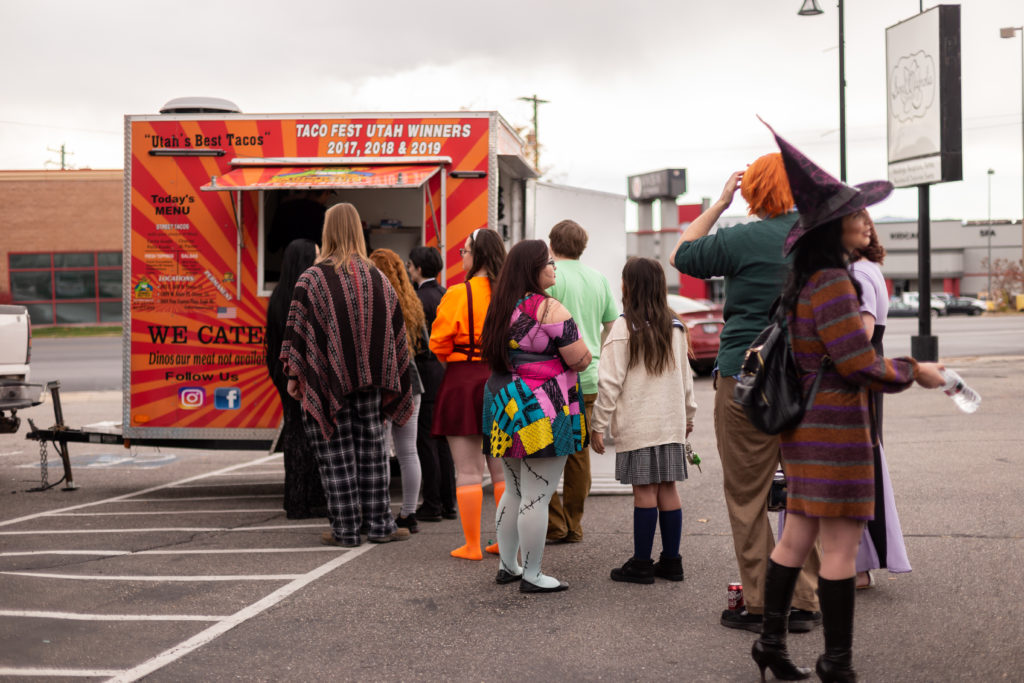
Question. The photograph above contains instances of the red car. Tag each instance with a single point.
(705, 324)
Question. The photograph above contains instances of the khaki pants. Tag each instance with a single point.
(565, 513)
(749, 461)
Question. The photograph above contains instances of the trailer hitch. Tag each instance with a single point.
(61, 444)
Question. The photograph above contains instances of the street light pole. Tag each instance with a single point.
(1010, 32)
(988, 294)
(809, 9)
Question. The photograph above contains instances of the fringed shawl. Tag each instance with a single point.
(346, 332)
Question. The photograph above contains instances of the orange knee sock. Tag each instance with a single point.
(499, 490)
(471, 500)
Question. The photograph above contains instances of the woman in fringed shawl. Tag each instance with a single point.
(347, 361)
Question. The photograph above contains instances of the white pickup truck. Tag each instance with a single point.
(15, 352)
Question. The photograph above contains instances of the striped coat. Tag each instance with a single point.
(828, 456)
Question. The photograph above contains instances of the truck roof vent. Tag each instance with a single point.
(200, 105)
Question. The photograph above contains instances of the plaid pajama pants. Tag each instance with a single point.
(354, 467)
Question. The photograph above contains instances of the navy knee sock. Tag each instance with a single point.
(671, 530)
(645, 521)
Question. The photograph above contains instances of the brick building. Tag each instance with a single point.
(60, 244)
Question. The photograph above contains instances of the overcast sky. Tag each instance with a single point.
(634, 86)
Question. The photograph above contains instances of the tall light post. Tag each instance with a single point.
(810, 8)
(991, 173)
(1010, 32)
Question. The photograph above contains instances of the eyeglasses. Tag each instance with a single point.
(463, 251)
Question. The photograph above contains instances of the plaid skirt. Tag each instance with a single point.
(651, 465)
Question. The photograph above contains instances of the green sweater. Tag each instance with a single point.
(749, 256)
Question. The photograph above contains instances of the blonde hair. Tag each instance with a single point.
(342, 237)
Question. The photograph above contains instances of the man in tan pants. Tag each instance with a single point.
(588, 296)
(750, 258)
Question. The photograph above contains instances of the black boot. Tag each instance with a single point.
(837, 598)
(769, 651)
(670, 568)
(635, 571)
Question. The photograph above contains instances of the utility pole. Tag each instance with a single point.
(536, 139)
(63, 156)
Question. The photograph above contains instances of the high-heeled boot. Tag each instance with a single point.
(837, 599)
(769, 651)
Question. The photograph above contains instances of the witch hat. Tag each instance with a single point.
(819, 197)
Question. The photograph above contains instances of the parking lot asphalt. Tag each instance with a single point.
(180, 565)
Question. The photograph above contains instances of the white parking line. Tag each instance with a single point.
(162, 512)
(173, 528)
(74, 616)
(219, 484)
(106, 577)
(61, 673)
(196, 498)
(246, 474)
(197, 477)
(221, 627)
(205, 551)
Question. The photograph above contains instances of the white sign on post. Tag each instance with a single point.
(923, 88)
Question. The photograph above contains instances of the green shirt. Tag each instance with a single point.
(587, 295)
(749, 256)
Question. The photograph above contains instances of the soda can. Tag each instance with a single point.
(736, 596)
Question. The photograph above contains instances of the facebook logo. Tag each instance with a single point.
(227, 398)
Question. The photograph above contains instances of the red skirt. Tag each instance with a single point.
(459, 410)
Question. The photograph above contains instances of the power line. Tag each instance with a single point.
(43, 125)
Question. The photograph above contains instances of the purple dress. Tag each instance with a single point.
(882, 544)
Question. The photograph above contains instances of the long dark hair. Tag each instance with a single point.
(819, 249)
(298, 256)
(488, 254)
(519, 276)
(648, 316)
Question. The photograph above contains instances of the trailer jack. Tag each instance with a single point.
(54, 434)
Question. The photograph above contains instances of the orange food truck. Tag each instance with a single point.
(203, 183)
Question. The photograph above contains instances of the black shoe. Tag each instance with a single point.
(450, 514)
(802, 621)
(742, 619)
(427, 516)
(635, 571)
(408, 522)
(527, 587)
(504, 577)
(670, 568)
(777, 659)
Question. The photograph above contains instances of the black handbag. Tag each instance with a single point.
(769, 387)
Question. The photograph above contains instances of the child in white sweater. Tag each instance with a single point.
(645, 394)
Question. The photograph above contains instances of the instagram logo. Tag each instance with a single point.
(191, 398)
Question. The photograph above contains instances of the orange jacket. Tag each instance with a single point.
(450, 335)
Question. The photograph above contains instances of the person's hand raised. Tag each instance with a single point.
(731, 185)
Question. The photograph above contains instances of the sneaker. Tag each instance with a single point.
(742, 619)
(427, 515)
(670, 568)
(802, 621)
(396, 535)
(409, 522)
(635, 571)
(327, 538)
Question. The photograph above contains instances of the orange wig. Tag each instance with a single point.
(765, 186)
(390, 264)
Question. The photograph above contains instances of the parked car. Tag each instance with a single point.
(938, 305)
(965, 305)
(899, 308)
(15, 352)
(705, 326)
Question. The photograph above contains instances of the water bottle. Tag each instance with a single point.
(966, 399)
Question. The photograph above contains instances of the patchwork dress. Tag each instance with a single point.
(537, 409)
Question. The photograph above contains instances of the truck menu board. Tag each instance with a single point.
(195, 364)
